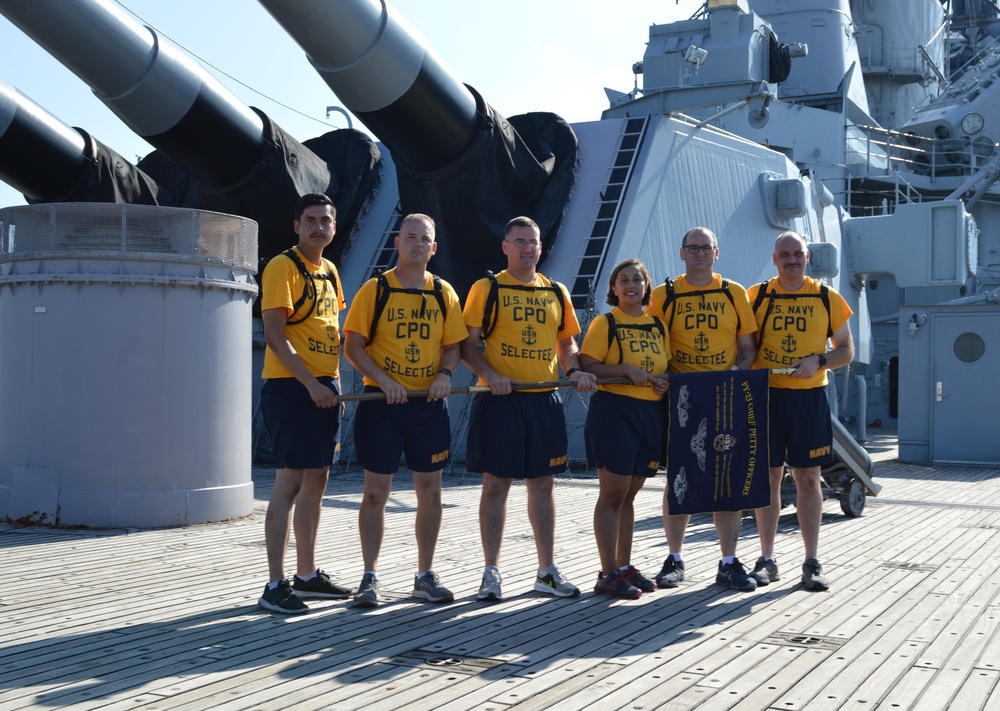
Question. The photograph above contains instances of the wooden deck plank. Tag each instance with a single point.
(167, 619)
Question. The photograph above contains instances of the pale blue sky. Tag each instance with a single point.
(521, 55)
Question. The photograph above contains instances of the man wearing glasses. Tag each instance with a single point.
(711, 328)
(527, 323)
(799, 317)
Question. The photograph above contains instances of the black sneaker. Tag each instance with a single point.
(617, 585)
(671, 574)
(812, 575)
(735, 576)
(281, 599)
(639, 580)
(765, 571)
(319, 585)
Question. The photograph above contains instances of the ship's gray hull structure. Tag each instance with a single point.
(838, 119)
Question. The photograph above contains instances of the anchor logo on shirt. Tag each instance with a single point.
(701, 341)
(647, 363)
(788, 343)
(412, 352)
(529, 335)
(331, 333)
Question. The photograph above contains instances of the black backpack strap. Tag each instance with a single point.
(824, 295)
(382, 291)
(309, 288)
(439, 295)
(613, 336)
(762, 294)
(732, 301)
(492, 308)
(558, 288)
(668, 301)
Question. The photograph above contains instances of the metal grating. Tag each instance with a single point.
(797, 639)
(140, 232)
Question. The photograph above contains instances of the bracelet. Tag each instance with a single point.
(445, 371)
(572, 370)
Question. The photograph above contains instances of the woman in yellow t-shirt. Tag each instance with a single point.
(624, 430)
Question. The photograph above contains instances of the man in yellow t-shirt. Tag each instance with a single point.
(796, 317)
(403, 333)
(301, 301)
(528, 324)
(711, 328)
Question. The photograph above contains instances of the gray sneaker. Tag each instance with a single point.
(552, 582)
(765, 571)
(368, 592)
(428, 587)
(812, 575)
(491, 590)
(734, 575)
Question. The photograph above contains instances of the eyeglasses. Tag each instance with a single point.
(521, 244)
(702, 248)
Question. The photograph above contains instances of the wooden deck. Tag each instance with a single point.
(167, 619)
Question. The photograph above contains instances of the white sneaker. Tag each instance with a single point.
(552, 582)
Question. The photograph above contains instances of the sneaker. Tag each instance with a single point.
(639, 580)
(812, 575)
(734, 575)
(281, 599)
(617, 584)
(765, 571)
(368, 592)
(319, 586)
(491, 590)
(428, 587)
(671, 574)
(552, 582)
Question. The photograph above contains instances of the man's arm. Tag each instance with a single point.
(569, 358)
(746, 351)
(474, 359)
(358, 355)
(841, 355)
(275, 322)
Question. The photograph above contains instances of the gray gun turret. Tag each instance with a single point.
(214, 152)
(457, 159)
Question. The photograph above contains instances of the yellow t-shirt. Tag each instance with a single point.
(411, 329)
(523, 343)
(317, 339)
(795, 326)
(703, 323)
(637, 341)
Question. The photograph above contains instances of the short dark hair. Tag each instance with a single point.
(310, 199)
(613, 298)
(522, 221)
(707, 231)
(419, 216)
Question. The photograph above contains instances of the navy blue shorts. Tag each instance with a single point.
(624, 435)
(517, 436)
(304, 436)
(417, 428)
(800, 428)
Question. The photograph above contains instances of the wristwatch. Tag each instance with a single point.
(445, 371)
(571, 371)
(822, 360)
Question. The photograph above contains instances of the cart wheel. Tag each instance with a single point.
(852, 498)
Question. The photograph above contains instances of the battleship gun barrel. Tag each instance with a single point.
(386, 76)
(48, 161)
(40, 156)
(161, 95)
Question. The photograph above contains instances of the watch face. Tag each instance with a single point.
(972, 124)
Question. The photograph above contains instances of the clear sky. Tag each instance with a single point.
(521, 55)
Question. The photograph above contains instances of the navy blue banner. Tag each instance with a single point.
(717, 441)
